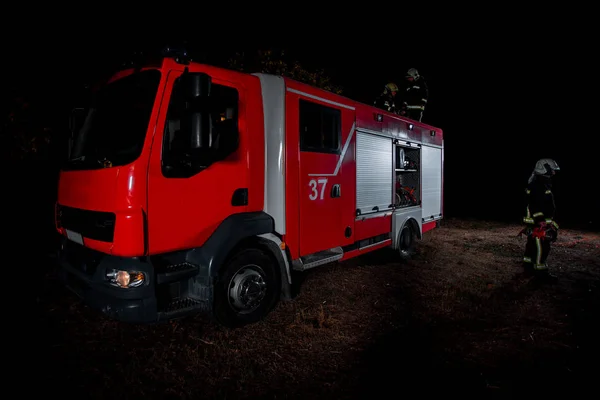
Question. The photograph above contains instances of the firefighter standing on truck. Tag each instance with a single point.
(387, 100)
(414, 95)
(540, 227)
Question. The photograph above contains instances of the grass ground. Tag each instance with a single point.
(457, 319)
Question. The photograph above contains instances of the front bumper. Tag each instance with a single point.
(171, 290)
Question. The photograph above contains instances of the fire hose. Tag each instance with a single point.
(541, 231)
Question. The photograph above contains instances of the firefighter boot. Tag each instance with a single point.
(543, 276)
(528, 270)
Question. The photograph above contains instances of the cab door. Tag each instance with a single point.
(326, 189)
(185, 205)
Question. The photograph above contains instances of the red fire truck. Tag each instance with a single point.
(192, 188)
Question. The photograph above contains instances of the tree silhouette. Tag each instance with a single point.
(23, 132)
(278, 63)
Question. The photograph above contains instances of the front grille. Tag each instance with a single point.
(97, 225)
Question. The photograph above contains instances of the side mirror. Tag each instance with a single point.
(196, 88)
(196, 84)
(76, 120)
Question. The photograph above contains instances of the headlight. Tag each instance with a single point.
(125, 279)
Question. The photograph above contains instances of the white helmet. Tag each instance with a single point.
(546, 166)
(412, 73)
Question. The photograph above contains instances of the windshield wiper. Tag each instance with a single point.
(84, 160)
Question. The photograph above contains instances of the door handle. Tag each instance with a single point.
(336, 191)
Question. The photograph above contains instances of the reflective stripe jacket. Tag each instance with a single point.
(385, 102)
(415, 94)
(540, 202)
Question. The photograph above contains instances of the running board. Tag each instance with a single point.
(317, 259)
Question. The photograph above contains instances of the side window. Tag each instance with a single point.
(179, 157)
(320, 128)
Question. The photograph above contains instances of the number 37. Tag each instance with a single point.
(317, 184)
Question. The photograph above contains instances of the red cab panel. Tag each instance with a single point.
(183, 211)
(110, 190)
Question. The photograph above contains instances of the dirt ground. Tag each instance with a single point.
(457, 319)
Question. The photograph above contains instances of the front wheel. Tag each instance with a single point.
(406, 242)
(248, 288)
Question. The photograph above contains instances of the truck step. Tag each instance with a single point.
(176, 272)
(317, 259)
(181, 307)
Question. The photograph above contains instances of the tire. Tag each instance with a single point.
(406, 242)
(232, 306)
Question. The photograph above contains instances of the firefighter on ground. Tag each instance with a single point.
(540, 227)
(414, 95)
(387, 99)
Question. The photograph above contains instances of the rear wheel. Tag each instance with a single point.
(406, 242)
(248, 288)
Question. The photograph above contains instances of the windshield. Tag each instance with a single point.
(115, 127)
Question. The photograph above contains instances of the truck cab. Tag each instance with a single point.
(159, 189)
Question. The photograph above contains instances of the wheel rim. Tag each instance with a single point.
(247, 289)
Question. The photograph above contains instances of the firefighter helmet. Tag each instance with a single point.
(546, 166)
(412, 73)
(391, 87)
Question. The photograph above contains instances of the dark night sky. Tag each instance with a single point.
(506, 93)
